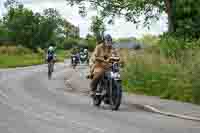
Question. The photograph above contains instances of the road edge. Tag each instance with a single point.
(150, 108)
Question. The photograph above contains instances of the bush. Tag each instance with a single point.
(69, 43)
(40, 51)
(3, 50)
(173, 47)
(150, 40)
(91, 44)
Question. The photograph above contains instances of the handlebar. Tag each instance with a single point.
(111, 59)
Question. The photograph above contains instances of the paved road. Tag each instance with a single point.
(29, 103)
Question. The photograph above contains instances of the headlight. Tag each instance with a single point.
(115, 75)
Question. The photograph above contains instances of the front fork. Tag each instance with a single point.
(111, 91)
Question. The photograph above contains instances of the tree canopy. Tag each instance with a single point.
(183, 15)
(33, 30)
(97, 27)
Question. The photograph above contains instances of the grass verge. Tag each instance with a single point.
(10, 61)
(11, 57)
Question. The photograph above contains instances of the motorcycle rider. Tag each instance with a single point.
(87, 55)
(99, 61)
(75, 53)
(51, 55)
(83, 55)
(86, 52)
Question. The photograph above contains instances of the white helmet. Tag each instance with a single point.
(85, 50)
(51, 48)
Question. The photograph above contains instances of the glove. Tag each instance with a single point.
(89, 76)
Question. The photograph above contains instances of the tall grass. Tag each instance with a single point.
(13, 50)
(153, 72)
(13, 56)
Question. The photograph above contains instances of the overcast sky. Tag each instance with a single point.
(121, 28)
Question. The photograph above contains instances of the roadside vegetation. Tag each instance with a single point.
(166, 69)
(169, 66)
(13, 56)
(25, 35)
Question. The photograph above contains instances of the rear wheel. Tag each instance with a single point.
(74, 65)
(50, 70)
(116, 95)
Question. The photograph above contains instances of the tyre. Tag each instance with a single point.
(74, 66)
(97, 98)
(96, 101)
(116, 95)
(50, 70)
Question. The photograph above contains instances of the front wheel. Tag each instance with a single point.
(96, 101)
(116, 95)
(97, 98)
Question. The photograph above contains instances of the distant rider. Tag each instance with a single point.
(51, 56)
(75, 52)
(85, 52)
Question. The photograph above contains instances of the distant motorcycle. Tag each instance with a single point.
(74, 60)
(84, 58)
(109, 89)
(51, 61)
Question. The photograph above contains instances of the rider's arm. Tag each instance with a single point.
(121, 56)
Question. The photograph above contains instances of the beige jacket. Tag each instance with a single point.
(101, 52)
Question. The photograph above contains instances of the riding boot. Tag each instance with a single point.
(93, 86)
(94, 82)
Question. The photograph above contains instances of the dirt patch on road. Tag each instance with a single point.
(75, 80)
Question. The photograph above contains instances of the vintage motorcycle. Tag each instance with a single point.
(109, 88)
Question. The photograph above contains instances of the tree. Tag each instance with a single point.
(33, 30)
(19, 21)
(70, 30)
(97, 27)
(187, 18)
(183, 15)
(30, 29)
(91, 42)
(132, 10)
(11, 3)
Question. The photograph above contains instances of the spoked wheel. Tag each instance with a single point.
(116, 95)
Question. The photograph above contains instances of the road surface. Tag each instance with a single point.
(30, 103)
